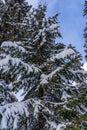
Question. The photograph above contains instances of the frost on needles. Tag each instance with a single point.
(45, 71)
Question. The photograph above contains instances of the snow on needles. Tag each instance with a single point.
(13, 44)
(63, 54)
(12, 110)
(55, 126)
(19, 109)
(45, 78)
(3, 1)
(4, 63)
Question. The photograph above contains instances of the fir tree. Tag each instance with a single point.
(12, 18)
(43, 69)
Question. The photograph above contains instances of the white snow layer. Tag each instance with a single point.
(53, 27)
(12, 110)
(19, 95)
(56, 126)
(18, 109)
(63, 54)
(4, 63)
(45, 78)
(13, 44)
(3, 1)
(85, 66)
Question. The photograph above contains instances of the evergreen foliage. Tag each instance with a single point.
(85, 30)
(32, 61)
(12, 15)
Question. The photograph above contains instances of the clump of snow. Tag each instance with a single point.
(61, 126)
(19, 95)
(13, 44)
(53, 27)
(3, 1)
(85, 66)
(74, 83)
(45, 78)
(3, 123)
(63, 54)
(55, 126)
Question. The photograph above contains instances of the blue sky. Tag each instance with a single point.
(71, 20)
